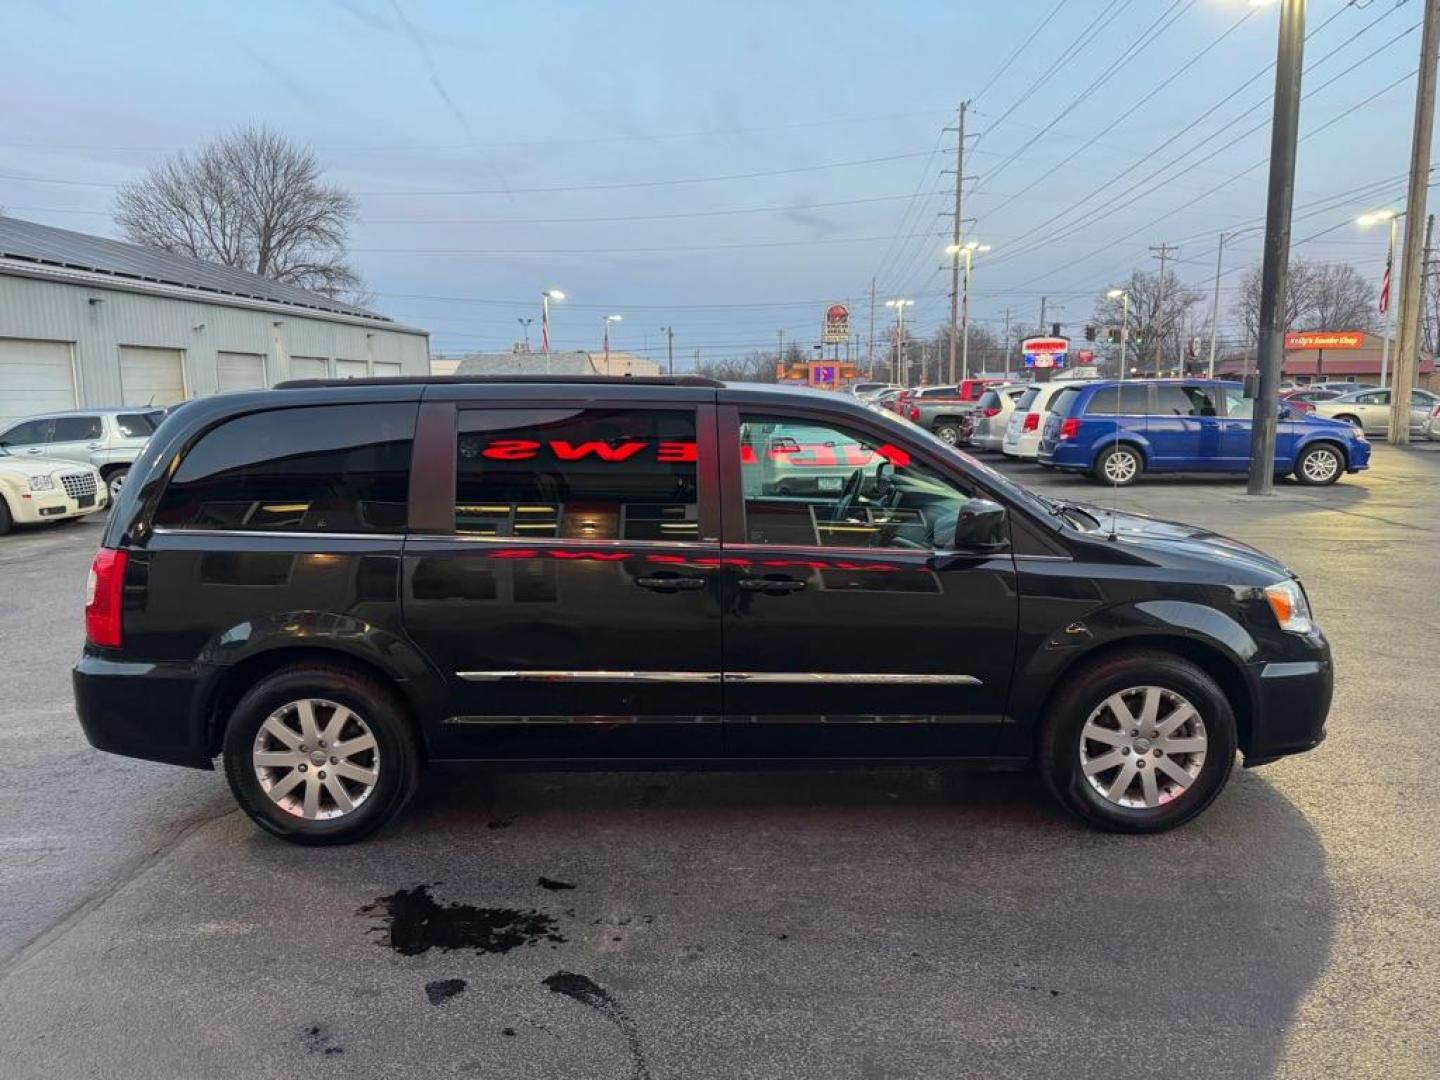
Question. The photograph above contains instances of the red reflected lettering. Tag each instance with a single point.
(566, 451)
(673, 452)
(511, 450)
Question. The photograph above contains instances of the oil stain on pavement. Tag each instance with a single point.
(442, 990)
(414, 923)
(589, 993)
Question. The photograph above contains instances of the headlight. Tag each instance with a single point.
(42, 483)
(1292, 610)
(1359, 433)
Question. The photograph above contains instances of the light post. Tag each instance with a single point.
(545, 298)
(1215, 303)
(1123, 295)
(969, 251)
(525, 329)
(1374, 218)
(899, 305)
(606, 321)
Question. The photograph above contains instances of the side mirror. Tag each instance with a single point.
(979, 526)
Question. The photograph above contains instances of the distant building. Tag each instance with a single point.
(571, 362)
(87, 321)
(1319, 365)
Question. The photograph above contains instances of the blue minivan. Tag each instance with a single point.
(1116, 430)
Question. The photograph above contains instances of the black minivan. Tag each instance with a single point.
(329, 584)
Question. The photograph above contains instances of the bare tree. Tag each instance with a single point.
(1161, 319)
(252, 200)
(1318, 296)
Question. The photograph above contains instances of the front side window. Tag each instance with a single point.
(76, 428)
(812, 484)
(578, 474)
(328, 469)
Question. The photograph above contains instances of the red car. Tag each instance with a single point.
(1304, 399)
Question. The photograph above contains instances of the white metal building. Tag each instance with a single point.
(91, 322)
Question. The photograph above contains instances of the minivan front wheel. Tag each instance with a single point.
(1319, 465)
(1139, 742)
(1119, 465)
(320, 755)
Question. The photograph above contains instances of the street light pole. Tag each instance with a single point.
(898, 371)
(1275, 267)
(1215, 302)
(545, 298)
(1123, 295)
(525, 329)
(606, 321)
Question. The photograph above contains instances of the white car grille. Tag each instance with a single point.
(78, 484)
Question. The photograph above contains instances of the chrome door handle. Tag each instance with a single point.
(35, 450)
(92, 446)
(688, 584)
(776, 585)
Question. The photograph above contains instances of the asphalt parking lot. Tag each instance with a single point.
(875, 924)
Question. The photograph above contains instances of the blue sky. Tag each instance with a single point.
(762, 159)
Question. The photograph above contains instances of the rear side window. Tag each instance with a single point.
(1063, 402)
(1027, 399)
(989, 400)
(138, 425)
(1122, 400)
(579, 474)
(76, 428)
(329, 469)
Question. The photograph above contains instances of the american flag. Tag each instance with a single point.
(1385, 287)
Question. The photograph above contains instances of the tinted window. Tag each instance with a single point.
(814, 485)
(138, 425)
(32, 431)
(1378, 397)
(76, 428)
(336, 468)
(584, 474)
(1064, 401)
(1026, 399)
(1122, 400)
(938, 391)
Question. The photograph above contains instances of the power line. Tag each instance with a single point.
(1005, 66)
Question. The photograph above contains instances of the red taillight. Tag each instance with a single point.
(994, 410)
(1435, 412)
(1032, 422)
(102, 598)
(1069, 427)
(915, 412)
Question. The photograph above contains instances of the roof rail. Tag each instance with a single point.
(555, 380)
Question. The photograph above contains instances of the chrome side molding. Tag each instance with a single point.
(862, 678)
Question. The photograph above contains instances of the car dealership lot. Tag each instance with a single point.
(875, 924)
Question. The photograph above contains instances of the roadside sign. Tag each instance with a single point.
(837, 325)
(1085, 356)
(1045, 352)
(1325, 339)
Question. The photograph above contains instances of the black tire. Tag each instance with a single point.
(1111, 465)
(114, 479)
(1353, 421)
(1319, 464)
(1085, 693)
(948, 431)
(6, 521)
(381, 709)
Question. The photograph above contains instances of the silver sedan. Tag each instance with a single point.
(1369, 410)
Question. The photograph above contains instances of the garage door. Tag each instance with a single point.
(309, 367)
(151, 376)
(239, 371)
(386, 367)
(351, 369)
(35, 377)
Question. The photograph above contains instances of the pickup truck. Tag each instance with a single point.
(946, 410)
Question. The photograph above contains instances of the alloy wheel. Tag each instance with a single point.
(1120, 467)
(116, 482)
(1142, 748)
(316, 759)
(1320, 465)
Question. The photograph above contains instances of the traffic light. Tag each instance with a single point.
(1113, 335)
(1089, 333)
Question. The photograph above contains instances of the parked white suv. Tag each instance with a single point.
(109, 439)
(38, 489)
(1022, 433)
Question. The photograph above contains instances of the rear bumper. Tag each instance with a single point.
(1293, 703)
(142, 709)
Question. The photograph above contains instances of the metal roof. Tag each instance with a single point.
(49, 246)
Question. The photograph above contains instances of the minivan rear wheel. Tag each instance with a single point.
(320, 755)
(1138, 742)
(1119, 465)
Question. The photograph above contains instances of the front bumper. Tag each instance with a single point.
(1292, 704)
(33, 507)
(143, 709)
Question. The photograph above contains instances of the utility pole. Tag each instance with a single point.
(1411, 280)
(670, 346)
(1042, 315)
(1426, 338)
(1275, 267)
(1007, 343)
(870, 347)
(955, 235)
(1163, 251)
(780, 352)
